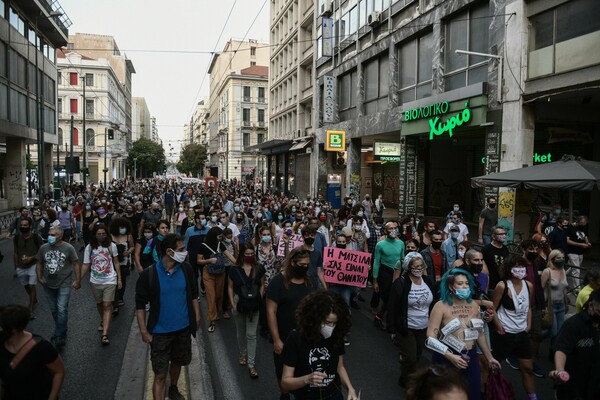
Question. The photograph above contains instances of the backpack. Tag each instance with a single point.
(498, 388)
(248, 297)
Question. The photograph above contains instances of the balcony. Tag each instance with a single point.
(246, 99)
(261, 100)
(246, 123)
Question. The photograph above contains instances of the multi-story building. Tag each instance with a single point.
(155, 136)
(291, 129)
(92, 105)
(29, 34)
(141, 123)
(238, 109)
(198, 130)
(430, 93)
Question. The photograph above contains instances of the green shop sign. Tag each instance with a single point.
(437, 126)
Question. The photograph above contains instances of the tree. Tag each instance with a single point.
(150, 157)
(192, 159)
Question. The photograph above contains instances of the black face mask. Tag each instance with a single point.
(309, 241)
(23, 229)
(298, 271)
(340, 246)
(492, 205)
(436, 245)
(476, 268)
(531, 256)
(595, 318)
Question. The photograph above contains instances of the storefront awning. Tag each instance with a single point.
(300, 145)
(274, 146)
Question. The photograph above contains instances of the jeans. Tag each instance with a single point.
(58, 301)
(344, 290)
(78, 229)
(559, 317)
(487, 239)
(246, 326)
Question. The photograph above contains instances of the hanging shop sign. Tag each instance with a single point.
(435, 113)
(328, 98)
(384, 151)
(335, 141)
(537, 158)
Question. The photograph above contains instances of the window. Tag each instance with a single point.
(2, 14)
(16, 21)
(2, 64)
(260, 137)
(252, 63)
(90, 138)
(73, 106)
(73, 79)
(89, 108)
(353, 27)
(89, 79)
(253, 51)
(261, 117)
(75, 137)
(467, 31)
(246, 116)
(347, 95)
(415, 63)
(376, 74)
(246, 139)
(246, 93)
(59, 105)
(31, 36)
(564, 38)
(261, 94)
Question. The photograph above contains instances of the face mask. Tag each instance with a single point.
(254, 203)
(249, 259)
(340, 246)
(327, 331)
(309, 241)
(294, 209)
(131, 211)
(180, 209)
(322, 218)
(461, 254)
(236, 209)
(518, 272)
(298, 271)
(416, 272)
(259, 215)
(122, 231)
(360, 213)
(23, 229)
(52, 239)
(463, 294)
(531, 256)
(492, 205)
(557, 211)
(100, 238)
(203, 222)
(101, 211)
(393, 233)
(266, 238)
(357, 227)
(559, 263)
(454, 235)
(543, 245)
(64, 208)
(214, 219)
(436, 245)
(160, 237)
(148, 235)
(476, 268)
(226, 240)
(280, 217)
(179, 256)
(500, 238)
(456, 208)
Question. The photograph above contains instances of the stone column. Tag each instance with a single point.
(15, 173)
(353, 179)
(49, 167)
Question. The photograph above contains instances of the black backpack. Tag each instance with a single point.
(248, 297)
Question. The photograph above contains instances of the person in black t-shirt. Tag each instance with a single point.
(313, 366)
(284, 293)
(494, 255)
(578, 352)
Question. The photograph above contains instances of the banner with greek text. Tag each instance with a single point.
(295, 241)
(346, 267)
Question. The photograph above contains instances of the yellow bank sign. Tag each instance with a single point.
(335, 141)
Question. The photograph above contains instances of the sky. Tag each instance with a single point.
(165, 41)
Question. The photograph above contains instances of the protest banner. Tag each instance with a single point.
(295, 241)
(346, 267)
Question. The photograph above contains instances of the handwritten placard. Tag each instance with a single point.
(295, 241)
(346, 267)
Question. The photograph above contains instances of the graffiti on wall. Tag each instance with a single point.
(506, 209)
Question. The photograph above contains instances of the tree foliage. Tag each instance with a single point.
(150, 157)
(192, 159)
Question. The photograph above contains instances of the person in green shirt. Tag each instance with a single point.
(387, 253)
(593, 277)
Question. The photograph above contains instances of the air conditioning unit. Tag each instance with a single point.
(326, 8)
(374, 18)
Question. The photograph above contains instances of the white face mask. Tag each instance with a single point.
(327, 331)
(417, 272)
(461, 254)
(179, 256)
(518, 272)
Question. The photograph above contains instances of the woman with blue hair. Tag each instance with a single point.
(454, 327)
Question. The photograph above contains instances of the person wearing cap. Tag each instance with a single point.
(463, 230)
(450, 246)
(411, 299)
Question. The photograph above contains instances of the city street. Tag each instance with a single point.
(371, 359)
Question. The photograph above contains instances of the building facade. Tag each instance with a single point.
(238, 110)
(198, 130)
(29, 34)
(141, 119)
(91, 104)
(287, 152)
(427, 94)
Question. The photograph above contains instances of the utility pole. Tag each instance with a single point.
(71, 152)
(105, 170)
(84, 136)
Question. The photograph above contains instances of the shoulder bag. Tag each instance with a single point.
(218, 267)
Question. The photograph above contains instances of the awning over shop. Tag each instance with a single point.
(275, 146)
(300, 145)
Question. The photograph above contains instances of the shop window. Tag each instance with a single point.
(376, 75)
(468, 31)
(347, 95)
(415, 64)
(564, 38)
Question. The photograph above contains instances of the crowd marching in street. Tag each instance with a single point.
(258, 257)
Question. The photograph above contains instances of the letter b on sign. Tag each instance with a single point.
(336, 141)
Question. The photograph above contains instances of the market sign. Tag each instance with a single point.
(383, 151)
(335, 141)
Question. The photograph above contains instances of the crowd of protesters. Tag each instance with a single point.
(474, 305)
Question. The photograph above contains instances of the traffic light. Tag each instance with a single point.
(111, 134)
(86, 172)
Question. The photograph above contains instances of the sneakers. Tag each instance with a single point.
(512, 362)
(59, 342)
(346, 342)
(538, 371)
(174, 393)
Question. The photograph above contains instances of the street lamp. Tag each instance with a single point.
(500, 67)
